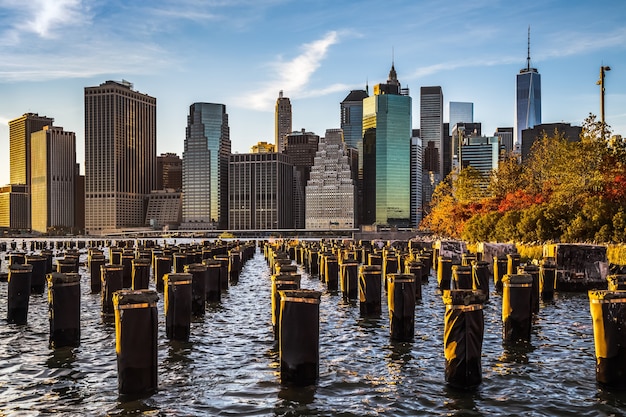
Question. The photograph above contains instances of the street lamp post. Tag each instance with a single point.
(603, 69)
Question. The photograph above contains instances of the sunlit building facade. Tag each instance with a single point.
(331, 190)
(120, 156)
(260, 191)
(386, 155)
(53, 162)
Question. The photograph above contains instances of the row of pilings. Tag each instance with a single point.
(129, 280)
(189, 276)
(362, 271)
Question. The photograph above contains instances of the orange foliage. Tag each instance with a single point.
(615, 187)
(519, 200)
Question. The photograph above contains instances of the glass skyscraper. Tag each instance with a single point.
(386, 154)
(205, 167)
(461, 112)
(527, 99)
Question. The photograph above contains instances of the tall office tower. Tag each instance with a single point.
(352, 126)
(386, 154)
(260, 186)
(417, 153)
(53, 162)
(431, 130)
(205, 167)
(446, 149)
(461, 112)
(506, 139)
(482, 153)
(282, 117)
(429, 173)
(527, 99)
(169, 172)
(301, 148)
(331, 191)
(20, 130)
(459, 135)
(120, 156)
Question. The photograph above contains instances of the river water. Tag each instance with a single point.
(230, 366)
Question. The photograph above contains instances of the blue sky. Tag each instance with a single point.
(242, 52)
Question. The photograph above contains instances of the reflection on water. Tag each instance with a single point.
(230, 365)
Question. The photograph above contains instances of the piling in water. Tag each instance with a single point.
(547, 279)
(349, 271)
(401, 302)
(177, 306)
(370, 290)
(162, 266)
(608, 313)
(140, 274)
(18, 293)
(463, 337)
(513, 261)
(281, 283)
(64, 307)
(112, 277)
(95, 264)
(199, 274)
(516, 308)
(444, 273)
(136, 331)
(66, 265)
(299, 337)
(480, 277)
(415, 268)
(616, 282)
(38, 278)
(500, 265)
(533, 271)
(462, 277)
(213, 293)
(127, 274)
(331, 267)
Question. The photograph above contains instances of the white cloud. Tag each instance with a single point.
(292, 76)
(43, 17)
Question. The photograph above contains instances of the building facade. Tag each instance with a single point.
(532, 135)
(260, 191)
(417, 163)
(461, 112)
(506, 139)
(169, 172)
(482, 153)
(205, 167)
(431, 126)
(20, 130)
(282, 121)
(387, 135)
(120, 156)
(331, 189)
(301, 147)
(14, 207)
(164, 209)
(53, 172)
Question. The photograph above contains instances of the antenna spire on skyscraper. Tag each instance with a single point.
(528, 56)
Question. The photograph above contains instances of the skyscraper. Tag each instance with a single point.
(331, 191)
(53, 161)
(386, 154)
(352, 126)
(169, 172)
(527, 99)
(120, 156)
(205, 167)
(461, 112)
(20, 130)
(416, 178)
(301, 147)
(283, 124)
(432, 135)
(260, 191)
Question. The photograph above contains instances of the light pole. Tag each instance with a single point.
(603, 69)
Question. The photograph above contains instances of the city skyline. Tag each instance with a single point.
(237, 54)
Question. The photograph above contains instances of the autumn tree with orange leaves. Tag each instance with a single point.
(565, 191)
